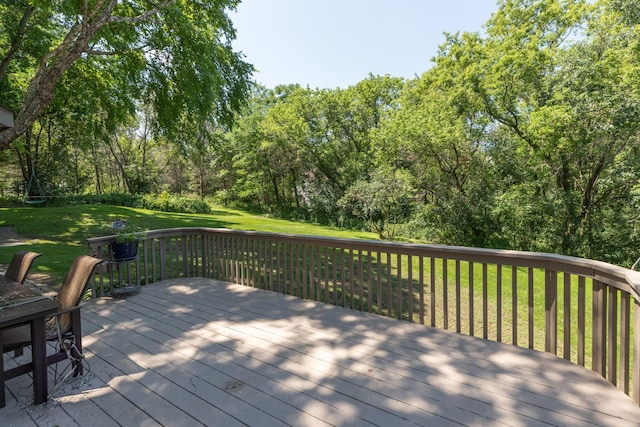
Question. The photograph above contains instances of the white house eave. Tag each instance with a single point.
(6, 118)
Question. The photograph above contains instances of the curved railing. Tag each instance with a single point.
(582, 310)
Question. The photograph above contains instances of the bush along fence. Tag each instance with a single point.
(583, 310)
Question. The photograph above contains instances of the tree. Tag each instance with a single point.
(563, 102)
(174, 55)
(383, 202)
(439, 135)
(323, 139)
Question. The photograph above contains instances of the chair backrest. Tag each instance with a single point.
(73, 286)
(20, 265)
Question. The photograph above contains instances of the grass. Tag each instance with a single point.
(60, 233)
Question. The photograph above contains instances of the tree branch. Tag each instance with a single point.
(17, 41)
(104, 53)
(143, 16)
(56, 62)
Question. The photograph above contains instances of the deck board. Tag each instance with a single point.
(203, 352)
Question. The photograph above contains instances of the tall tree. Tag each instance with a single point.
(438, 136)
(176, 54)
(324, 139)
(564, 102)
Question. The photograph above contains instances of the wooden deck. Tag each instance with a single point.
(189, 352)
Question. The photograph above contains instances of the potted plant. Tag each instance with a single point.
(125, 245)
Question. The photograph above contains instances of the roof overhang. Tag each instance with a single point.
(6, 118)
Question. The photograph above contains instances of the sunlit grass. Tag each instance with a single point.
(61, 233)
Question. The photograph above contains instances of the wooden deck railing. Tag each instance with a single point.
(585, 311)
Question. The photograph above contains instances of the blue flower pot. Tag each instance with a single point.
(124, 251)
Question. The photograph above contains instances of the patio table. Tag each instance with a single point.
(20, 305)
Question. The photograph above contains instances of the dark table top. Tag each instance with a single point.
(19, 303)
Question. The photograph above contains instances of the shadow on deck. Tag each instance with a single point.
(200, 351)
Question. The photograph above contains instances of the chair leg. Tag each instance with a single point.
(70, 345)
(76, 350)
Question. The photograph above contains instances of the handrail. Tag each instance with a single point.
(578, 309)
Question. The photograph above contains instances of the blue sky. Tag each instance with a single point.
(337, 43)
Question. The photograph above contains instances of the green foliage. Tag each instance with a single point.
(123, 232)
(164, 202)
(542, 115)
(171, 203)
(383, 202)
(112, 57)
(300, 149)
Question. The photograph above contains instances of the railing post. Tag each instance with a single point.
(599, 339)
(471, 297)
(625, 337)
(432, 290)
(163, 261)
(514, 305)
(635, 392)
(499, 302)
(154, 257)
(531, 307)
(458, 299)
(567, 316)
(185, 256)
(612, 335)
(205, 256)
(581, 319)
(551, 311)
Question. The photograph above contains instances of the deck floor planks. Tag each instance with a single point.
(469, 405)
(247, 376)
(163, 376)
(276, 310)
(224, 380)
(198, 351)
(274, 349)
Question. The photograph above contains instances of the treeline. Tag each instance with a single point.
(525, 137)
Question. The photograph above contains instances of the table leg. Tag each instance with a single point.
(2, 397)
(76, 327)
(39, 355)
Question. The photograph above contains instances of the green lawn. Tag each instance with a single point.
(60, 233)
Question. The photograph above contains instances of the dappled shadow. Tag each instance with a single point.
(196, 350)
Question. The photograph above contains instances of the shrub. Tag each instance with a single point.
(160, 202)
